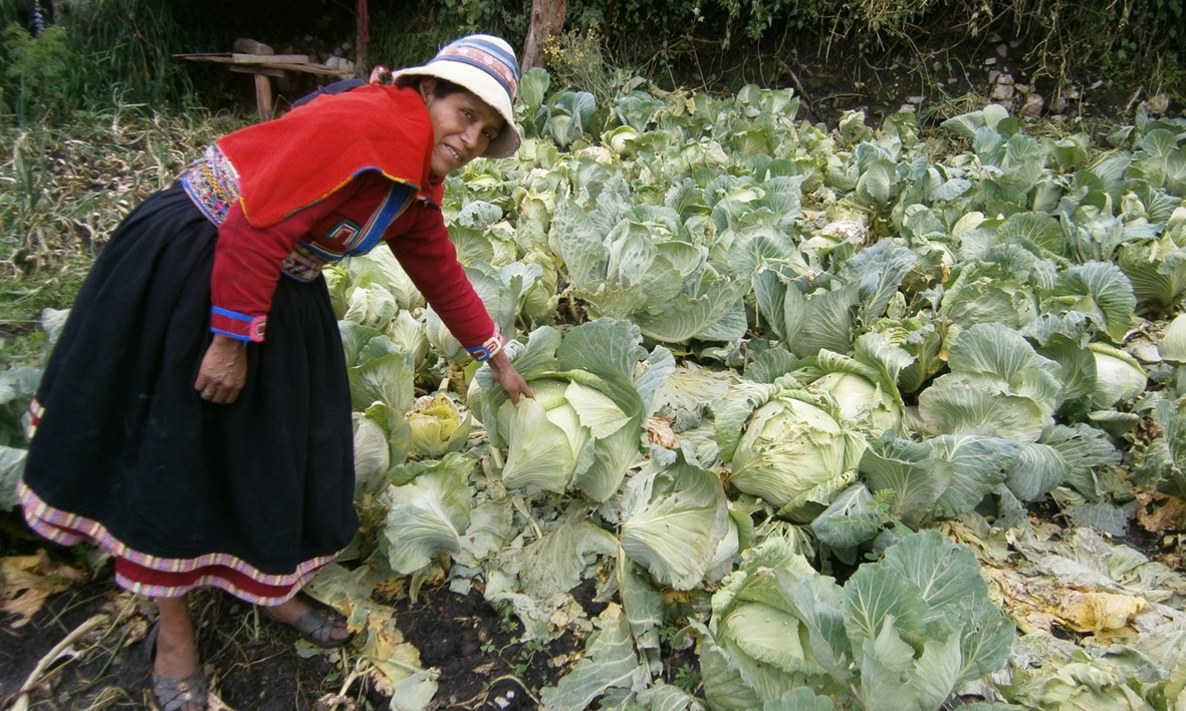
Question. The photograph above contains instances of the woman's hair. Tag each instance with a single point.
(443, 88)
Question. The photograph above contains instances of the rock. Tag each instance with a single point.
(1034, 103)
(1005, 78)
(1001, 92)
(992, 76)
(916, 99)
(246, 45)
(1059, 105)
(990, 61)
(1002, 51)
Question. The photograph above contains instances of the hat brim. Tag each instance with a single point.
(481, 85)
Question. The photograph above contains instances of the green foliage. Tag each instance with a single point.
(100, 54)
(41, 76)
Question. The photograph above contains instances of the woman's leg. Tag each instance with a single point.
(176, 655)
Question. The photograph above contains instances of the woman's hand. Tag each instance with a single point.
(223, 371)
(512, 383)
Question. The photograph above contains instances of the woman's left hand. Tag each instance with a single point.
(512, 383)
(223, 371)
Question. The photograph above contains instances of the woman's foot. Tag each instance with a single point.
(178, 681)
(317, 622)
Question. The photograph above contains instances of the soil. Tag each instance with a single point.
(481, 664)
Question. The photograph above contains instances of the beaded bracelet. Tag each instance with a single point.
(487, 350)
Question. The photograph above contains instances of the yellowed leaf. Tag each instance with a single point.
(1098, 611)
(27, 581)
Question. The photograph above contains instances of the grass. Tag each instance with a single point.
(63, 190)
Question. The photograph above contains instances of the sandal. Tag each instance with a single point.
(318, 624)
(175, 694)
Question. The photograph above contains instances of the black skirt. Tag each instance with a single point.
(127, 455)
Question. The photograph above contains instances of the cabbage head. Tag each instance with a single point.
(437, 427)
(792, 450)
(1118, 376)
(549, 435)
(584, 428)
(859, 399)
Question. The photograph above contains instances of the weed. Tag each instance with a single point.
(687, 677)
(527, 654)
(577, 60)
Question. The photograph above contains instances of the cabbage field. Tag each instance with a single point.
(864, 418)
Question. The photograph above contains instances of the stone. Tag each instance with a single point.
(992, 76)
(1005, 78)
(990, 61)
(1034, 103)
(915, 99)
(1002, 51)
(1001, 92)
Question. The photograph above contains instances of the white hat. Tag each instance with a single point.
(486, 66)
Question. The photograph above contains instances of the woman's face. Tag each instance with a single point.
(463, 126)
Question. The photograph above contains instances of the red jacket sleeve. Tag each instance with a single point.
(421, 243)
(247, 264)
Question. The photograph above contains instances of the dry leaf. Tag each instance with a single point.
(27, 581)
(1160, 512)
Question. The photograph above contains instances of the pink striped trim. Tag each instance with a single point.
(69, 529)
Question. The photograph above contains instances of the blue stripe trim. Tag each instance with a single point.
(491, 49)
(231, 334)
(230, 314)
(394, 203)
(474, 63)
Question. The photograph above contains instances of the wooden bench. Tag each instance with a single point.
(264, 67)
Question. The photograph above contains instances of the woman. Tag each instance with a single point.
(194, 418)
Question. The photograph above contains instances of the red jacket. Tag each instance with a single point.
(309, 183)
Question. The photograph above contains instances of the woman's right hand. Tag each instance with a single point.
(512, 383)
(223, 372)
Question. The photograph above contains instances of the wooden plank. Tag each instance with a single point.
(238, 58)
(245, 69)
(319, 69)
(263, 62)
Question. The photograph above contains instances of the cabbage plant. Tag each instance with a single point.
(902, 634)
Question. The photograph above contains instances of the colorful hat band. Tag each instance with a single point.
(485, 60)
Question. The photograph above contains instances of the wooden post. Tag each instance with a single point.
(263, 82)
(263, 96)
(361, 69)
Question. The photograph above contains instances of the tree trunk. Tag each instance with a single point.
(547, 20)
(363, 18)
